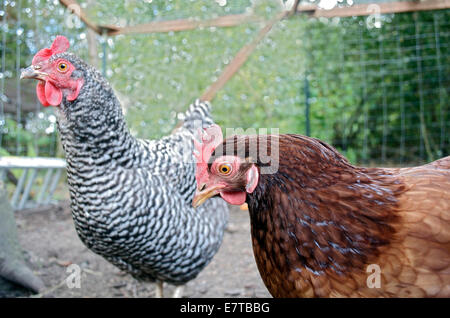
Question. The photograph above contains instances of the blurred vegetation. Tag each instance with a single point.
(378, 92)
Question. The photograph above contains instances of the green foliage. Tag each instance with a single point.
(4, 152)
(384, 90)
(377, 94)
(112, 12)
(15, 132)
(158, 75)
(36, 138)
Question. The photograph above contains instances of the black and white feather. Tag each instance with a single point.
(130, 198)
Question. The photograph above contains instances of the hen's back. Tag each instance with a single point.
(145, 224)
(424, 230)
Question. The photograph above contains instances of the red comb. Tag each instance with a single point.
(210, 138)
(60, 45)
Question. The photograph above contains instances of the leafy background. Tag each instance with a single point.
(378, 91)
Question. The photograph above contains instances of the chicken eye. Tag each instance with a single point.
(63, 67)
(224, 169)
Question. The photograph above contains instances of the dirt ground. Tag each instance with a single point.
(51, 244)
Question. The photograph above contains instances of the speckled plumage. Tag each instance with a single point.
(131, 198)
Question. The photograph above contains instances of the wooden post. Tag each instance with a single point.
(240, 58)
(91, 37)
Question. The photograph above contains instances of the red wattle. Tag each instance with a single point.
(52, 94)
(40, 91)
(235, 198)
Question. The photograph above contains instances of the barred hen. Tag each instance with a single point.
(322, 227)
(130, 198)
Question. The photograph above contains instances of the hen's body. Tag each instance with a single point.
(319, 222)
(131, 198)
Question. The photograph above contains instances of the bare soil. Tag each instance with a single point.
(51, 245)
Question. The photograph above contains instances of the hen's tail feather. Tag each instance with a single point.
(197, 114)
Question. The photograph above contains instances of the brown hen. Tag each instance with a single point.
(322, 227)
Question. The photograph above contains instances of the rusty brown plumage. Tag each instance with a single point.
(319, 223)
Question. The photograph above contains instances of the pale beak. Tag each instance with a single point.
(202, 195)
(33, 73)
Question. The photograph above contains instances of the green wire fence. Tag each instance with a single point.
(377, 88)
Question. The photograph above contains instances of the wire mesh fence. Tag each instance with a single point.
(26, 128)
(383, 95)
(377, 88)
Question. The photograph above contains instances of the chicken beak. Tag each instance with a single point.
(33, 73)
(204, 194)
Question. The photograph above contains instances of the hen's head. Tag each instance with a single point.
(229, 174)
(56, 73)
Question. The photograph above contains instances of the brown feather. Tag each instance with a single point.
(318, 222)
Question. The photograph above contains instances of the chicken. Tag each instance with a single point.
(322, 227)
(130, 198)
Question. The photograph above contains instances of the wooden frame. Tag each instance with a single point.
(379, 8)
(237, 19)
(184, 25)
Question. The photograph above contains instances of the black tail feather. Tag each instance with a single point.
(198, 115)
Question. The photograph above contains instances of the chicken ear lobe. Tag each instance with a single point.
(252, 179)
(74, 93)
